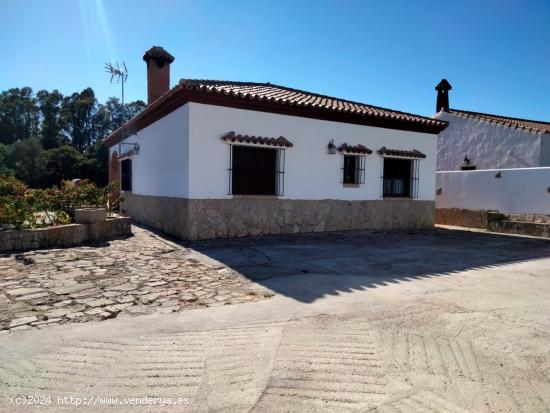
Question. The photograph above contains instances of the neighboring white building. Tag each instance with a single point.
(215, 159)
(490, 163)
(489, 141)
(509, 191)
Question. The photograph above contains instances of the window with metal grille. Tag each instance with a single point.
(126, 175)
(353, 169)
(400, 178)
(256, 171)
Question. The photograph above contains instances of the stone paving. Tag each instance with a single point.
(138, 275)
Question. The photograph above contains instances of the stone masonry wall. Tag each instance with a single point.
(166, 214)
(210, 218)
(537, 225)
(460, 217)
(64, 235)
(218, 218)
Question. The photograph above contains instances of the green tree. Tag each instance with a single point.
(24, 159)
(51, 123)
(112, 114)
(133, 108)
(50, 137)
(19, 115)
(59, 164)
(96, 164)
(4, 156)
(79, 111)
(109, 117)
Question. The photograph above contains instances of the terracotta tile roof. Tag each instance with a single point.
(293, 97)
(359, 149)
(531, 125)
(272, 98)
(259, 140)
(397, 152)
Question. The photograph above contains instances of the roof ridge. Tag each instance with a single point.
(309, 104)
(498, 116)
(241, 83)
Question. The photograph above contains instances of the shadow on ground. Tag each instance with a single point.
(309, 266)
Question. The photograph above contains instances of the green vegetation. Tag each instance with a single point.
(21, 207)
(46, 137)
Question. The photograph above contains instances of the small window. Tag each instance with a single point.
(400, 178)
(126, 175)
(354, 169)
(256, 171)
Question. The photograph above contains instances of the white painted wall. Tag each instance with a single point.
(161, 167)
(545, 150)
(310, 173)
(517, 191)
(488, 145)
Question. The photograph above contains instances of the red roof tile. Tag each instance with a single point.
(532, 125)
(259, 140)
(397, 152)
(359, 149)
(277, 99)
(294, 97)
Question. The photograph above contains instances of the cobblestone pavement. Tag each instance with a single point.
(140, 274)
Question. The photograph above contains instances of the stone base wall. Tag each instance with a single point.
(468, 218)
(534, 218)
(248, 216)
(64, 235)
(535, 229)
(168, 215)
(521, 224)
(219, 218)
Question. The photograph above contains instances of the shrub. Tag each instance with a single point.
(14, 209)
(21, 207)
(11, 187)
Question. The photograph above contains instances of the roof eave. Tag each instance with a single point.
(502, 120)
(180, 95)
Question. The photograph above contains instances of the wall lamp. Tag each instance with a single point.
(135, 147)
(331, 148)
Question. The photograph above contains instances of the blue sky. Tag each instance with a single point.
(392, 53)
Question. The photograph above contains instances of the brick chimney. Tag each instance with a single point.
(158, 72)
(442, 88)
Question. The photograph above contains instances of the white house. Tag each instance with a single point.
(216, 158)
(490, 162)
(488, 141)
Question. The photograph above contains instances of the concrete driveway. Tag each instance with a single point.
(401, 321)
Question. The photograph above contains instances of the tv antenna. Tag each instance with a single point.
(119, 74)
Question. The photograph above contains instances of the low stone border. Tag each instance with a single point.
(459, 217)
(534, 229)
(520, 224)
(64, 235)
